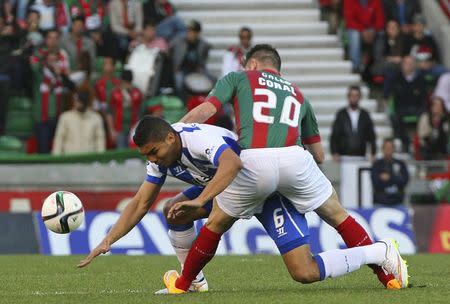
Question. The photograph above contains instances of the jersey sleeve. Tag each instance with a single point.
(155, 174)
(309, 130)
(224, 90)
(211, 149)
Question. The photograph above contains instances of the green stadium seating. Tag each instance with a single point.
(18, 103)
(172, 106)
(11, 145)
(19, 124)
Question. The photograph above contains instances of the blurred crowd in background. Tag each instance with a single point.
(76, 75)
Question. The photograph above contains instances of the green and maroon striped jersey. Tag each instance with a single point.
(270, 111)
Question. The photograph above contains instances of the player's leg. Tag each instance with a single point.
(289, 230)
(351, 232)
(305, 268)
(202, 250)
(182, 231)
(309, 189)
(243, 198)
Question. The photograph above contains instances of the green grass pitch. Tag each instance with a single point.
(232, 279)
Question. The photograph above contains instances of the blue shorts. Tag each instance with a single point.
(283, 223)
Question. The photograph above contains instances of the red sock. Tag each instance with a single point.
(201, 252)
(354, 235)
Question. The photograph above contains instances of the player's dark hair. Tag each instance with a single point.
(151, 129)
(264, 53)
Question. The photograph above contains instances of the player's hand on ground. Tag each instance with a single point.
(103, 247)
(181, 208)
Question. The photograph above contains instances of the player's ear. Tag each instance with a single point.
(170, 138)
(252, 64)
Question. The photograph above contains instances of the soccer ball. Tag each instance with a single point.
(62, 212)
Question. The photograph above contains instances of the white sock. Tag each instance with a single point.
(340, 262)
(375, 253)
(181, 242)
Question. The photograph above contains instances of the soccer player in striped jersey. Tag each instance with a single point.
(271, 113)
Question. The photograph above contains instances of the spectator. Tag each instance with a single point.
(150, 40)
(147, 72)
(126, 22)
(364, 21)
(34, 37)
(92, 11)
(433, 130)
(393, 50)
(331, 11)
(106, 84)
(21, 11)
(443, 90)
(28, 39)
(125, 104)
(6, 11)
(46, 9)
(79, 130)
(168, 24)
(51, 43)
(48, 105)
(424, 49)
(389, 178)
(96, 24)
(189, 55)
(74, 43)
(62, 15)
(232, 59)
(402, 11)
(352, 129)
(408, 93)
(10, 41)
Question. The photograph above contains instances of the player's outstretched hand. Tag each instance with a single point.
(181, 208)
(103, 247)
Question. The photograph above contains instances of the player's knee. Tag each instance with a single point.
(305, 275)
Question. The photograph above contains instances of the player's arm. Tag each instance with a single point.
(134, 211)
(131, 215)
(229, 165)
(222, 93)
(200, 113)
(316, 150)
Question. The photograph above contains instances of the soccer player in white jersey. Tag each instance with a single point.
(209, 156)
(194, 153)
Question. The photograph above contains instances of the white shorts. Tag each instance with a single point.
(291, 171)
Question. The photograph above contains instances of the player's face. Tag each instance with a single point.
(163, 153)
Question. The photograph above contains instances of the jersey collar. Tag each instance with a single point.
(271, 71)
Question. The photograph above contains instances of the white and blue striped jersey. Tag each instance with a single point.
(202, 146)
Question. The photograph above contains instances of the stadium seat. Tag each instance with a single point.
(10, 144)
(172, 107)
(18, 103)
(98, 65)
(19, 124)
